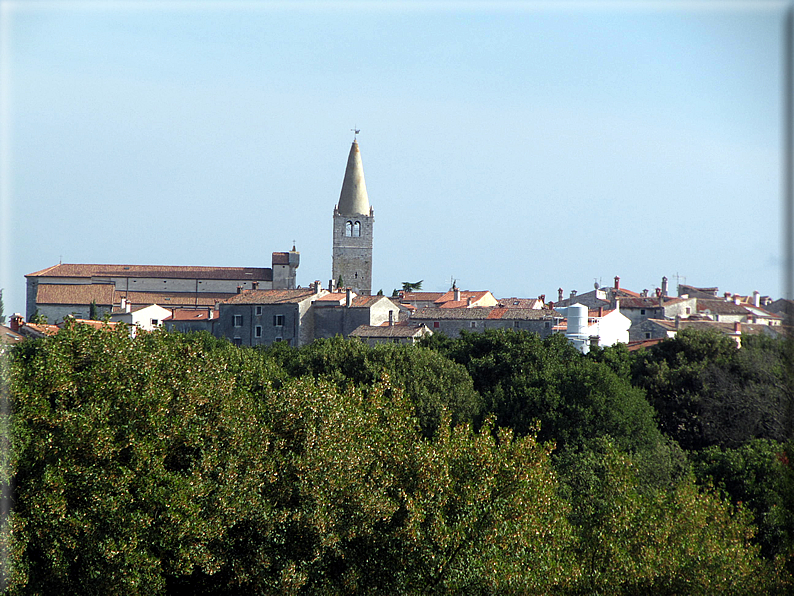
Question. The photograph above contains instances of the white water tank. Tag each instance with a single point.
(577, 321)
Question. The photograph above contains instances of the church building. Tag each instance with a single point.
(353, 222)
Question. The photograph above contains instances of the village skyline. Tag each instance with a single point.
(519, 148)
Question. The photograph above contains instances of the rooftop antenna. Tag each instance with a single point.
(355, 130)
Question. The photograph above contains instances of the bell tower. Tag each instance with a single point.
(353, 222)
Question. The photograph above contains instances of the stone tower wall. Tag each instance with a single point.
(352, 255)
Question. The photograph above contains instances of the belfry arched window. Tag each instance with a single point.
(349, 228)
(357, 229)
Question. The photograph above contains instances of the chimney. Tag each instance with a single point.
(17, 321)
(559, 295)
(391, 318)
(617, 282)
(757, 298)
(727, 296)
(573, 295)
(664, 286)
(645, 293)
(317, 286)
(677, 321)
(456, 294)
(658, 292)
(124, 305)
(737, 299)
(348, 297)
(209, 313)
(331, 285)
(600, 311)
(737, 327)
(468, 302)
(542, 298)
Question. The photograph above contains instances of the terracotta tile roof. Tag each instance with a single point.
(272, 296)
(334, 297)
(453, 304)
(628, 293)
(486, 312)
(365, 301)
(173, 299)
(75, 294)
(168, 271)
(720, 307)
(640, 303)
(42, 328)
(633, 346)
(9, 337)
(97, 324)
(464, 296)
(521, 302)
(420, 296)
(340, 299)
(192, 314)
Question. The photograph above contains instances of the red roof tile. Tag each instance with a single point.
(168, 271)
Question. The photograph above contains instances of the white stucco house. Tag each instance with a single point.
(144, 318)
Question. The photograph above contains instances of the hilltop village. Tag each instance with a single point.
(258, 306)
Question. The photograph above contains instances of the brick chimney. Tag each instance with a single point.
(600, 311)
(737, 327)
(456, 294)
(17, 321)
(559, 295)
(617, 282)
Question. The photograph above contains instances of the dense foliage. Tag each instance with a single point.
(488, 464)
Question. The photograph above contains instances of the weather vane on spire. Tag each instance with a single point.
(355, 132)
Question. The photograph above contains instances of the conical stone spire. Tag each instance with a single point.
(353, 199)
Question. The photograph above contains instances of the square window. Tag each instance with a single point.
(647, 335)
(515, 324)
(154, 322)
(546, 324)
(258, 331)
(473, 324)
(688, 310)
(278, 320)
(258, 311)
(642, 311)
(279, 339)
(238, 320)
(436, 324)
(238, 341)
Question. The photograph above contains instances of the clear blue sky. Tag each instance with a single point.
(517, 147)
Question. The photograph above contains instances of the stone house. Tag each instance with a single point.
(261, 317)
(451, 321)
(340, 313)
